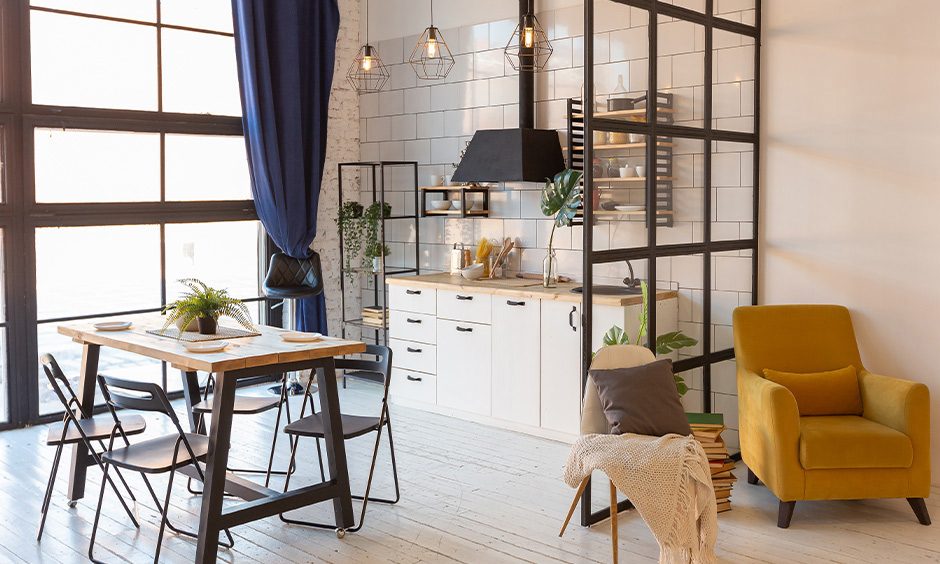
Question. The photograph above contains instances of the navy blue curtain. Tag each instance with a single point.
(285, 51)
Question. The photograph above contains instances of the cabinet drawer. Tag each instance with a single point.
(411, 385)
(413, 356)
(464, 306)
(464, 351)
(417, 300)
(411, 326)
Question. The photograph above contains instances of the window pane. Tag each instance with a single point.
(87, 270)
(204, 14)
(79, 61)
(96, 166)
(199, 73)
(203, 167)
(733, 93)
(732, 191)
(69, 356)
(142, 10)
(223, 255)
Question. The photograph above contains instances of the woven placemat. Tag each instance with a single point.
(192, 337)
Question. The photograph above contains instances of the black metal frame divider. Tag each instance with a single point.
(378, 179)
(652, 129)
(21, 215)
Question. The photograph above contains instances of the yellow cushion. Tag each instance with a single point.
(848, 441)
(822, 393)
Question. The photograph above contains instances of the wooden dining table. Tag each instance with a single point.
(244, 357)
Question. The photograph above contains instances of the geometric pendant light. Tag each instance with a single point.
(528, 48)
(431, 58)
(367, 74)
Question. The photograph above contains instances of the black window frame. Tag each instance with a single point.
(21, 215)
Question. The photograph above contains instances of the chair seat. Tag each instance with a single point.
(156, 455)
(849, 441)
(96, 428)
(244, 405)
(289, 292)
(312, 426)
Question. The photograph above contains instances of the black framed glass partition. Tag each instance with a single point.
(123, 169)
(688, 78)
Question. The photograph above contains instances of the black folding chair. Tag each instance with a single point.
(378, 370)
(77, 427)
(154, 456)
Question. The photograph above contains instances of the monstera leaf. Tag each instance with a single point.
(562, 197)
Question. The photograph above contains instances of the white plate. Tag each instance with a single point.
(205, 346)
(630, 208)
(301, 337)
(113, 325)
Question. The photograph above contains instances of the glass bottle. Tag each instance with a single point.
(613, 168)
(550, 270)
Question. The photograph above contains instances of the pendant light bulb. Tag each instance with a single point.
(432, 48)
(528, 37)
(367, 63)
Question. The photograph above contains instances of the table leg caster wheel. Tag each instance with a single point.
(340, 533)
(73, 504)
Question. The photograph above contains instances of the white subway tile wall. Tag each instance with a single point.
(431, 122)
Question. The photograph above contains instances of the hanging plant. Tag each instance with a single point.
(360, 231)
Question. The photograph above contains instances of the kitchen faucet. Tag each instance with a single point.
(631, 281)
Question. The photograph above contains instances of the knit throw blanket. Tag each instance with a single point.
(669, 482)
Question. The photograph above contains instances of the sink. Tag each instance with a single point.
(608, 290)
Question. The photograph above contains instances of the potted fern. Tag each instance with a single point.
(205, 304)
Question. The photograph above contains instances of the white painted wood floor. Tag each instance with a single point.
(470, 494)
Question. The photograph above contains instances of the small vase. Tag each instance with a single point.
(376, 264)
(550, 270)
(207, 325)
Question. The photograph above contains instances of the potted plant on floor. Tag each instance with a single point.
(561, 199)
(205, 304)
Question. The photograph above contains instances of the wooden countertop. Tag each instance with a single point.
(519, 287)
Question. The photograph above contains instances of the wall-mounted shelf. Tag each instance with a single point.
(462, 200)
(633, 179)
(641, 112)
(622, 146)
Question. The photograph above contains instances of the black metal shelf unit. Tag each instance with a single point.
(378, 174)
(655, 130)
(662, 179)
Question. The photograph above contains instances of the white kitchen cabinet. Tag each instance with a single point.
(464, 306)
(464, 363)
(413, 299)
(413, 356)
(410, 326)
(414, 386)
(516, 360)
(560, 392)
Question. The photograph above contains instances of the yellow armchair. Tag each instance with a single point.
(884, 453)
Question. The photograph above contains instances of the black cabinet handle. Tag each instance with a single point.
(413, 292)
(464, 298)
(410, 320)
(574, 309)
(413, 379)
(465, 329)
(409, 349)
(512, 303)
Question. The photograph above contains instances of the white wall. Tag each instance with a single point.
(850, 183)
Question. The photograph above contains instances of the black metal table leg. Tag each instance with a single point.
(335, 445)
(86, 395)
(191, 393)
(220, 435)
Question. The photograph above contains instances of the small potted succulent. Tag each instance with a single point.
(205, 305)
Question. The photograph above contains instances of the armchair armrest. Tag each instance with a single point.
(769, 422)
(904, 406)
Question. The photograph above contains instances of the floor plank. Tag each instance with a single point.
(470, 494)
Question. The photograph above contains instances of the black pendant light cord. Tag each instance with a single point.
(432, 13)
(367, 22)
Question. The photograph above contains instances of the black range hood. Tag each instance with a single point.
(514, 155)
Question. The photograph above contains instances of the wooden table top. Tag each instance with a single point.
(242, 352)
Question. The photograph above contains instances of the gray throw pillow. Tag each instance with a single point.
(641, 400)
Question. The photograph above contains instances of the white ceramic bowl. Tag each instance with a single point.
(441, 204)
(473, 272)
(627, 172)
(640, 171)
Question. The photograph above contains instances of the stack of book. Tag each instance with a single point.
(707, 428)
(375, 316)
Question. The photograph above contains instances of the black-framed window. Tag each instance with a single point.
(129, 172)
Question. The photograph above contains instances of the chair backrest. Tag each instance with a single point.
(381, 367)
(136, 396)
(290, 277)
(608, 358)
(60, 385)
(794, 338)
